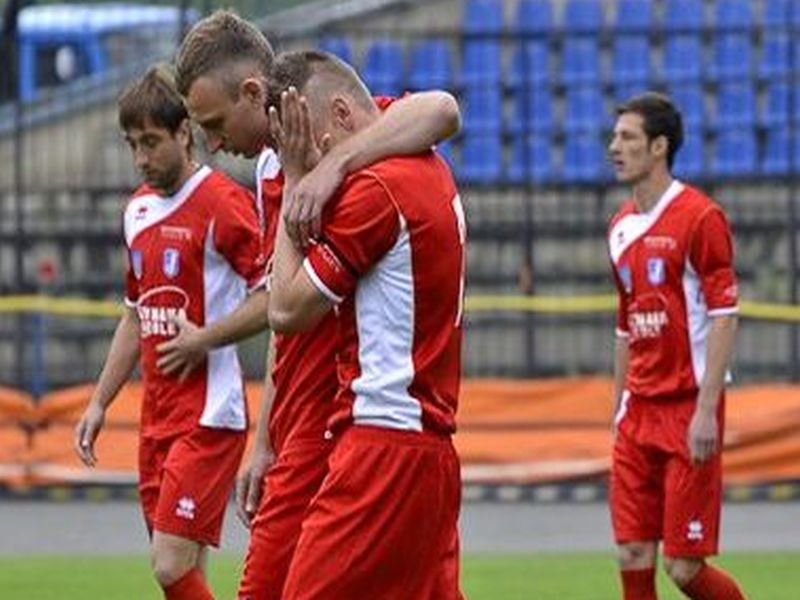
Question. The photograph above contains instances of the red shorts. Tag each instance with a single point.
(656, 493)
(384, 524)
(185, 481)
(289, 486)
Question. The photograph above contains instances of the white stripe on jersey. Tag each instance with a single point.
(224, 291)
(633, 226)
(145, 211)
(267, 167)
(384, 306)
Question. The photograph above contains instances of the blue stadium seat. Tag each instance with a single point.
(581, 61)
(777, 108)
(683, 59)
(481, 63)
(584, 110)
(530, 64)
(683, 15)
(445, 149)
(483, 110)
(732, 58)
(736, 106)
(733, 15)
(533, 111)
(777, 13)
(690, 101)
(483, 17)
(583, 16)
(777, 159)
(531, 160)
(630, 63)
(338, 46)
(623, 93)
(735, 153)
(634, 16)
(384, 68)
(584, 159)
(690, 160)
(431, 65)
(534, 17)
(481, 159)
(776, 56)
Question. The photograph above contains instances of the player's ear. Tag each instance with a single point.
(659, 146)
(254, 90)
(184, 133)
(341, 114)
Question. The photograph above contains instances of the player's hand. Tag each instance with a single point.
(303, 213)
(181, 354)
(703, 436)
(249, 485)
(86, 431)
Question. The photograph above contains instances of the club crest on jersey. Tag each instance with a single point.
(171, 265)
(136, 263)
(656, 272)
(625, 276)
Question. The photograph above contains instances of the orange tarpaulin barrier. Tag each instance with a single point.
(523, 431)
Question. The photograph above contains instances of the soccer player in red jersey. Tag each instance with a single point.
(672, 257)
(195, 251)
(390, 258)
(222, 69)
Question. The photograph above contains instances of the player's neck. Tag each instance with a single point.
(649, 191)
(189, 169)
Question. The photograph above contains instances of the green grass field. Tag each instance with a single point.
(765, 576)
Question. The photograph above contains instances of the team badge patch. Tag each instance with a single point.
(655, 271)
(625, 276)
(171, 264)
(136, 263)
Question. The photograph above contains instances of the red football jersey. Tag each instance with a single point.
(196, 253)
(304, 375)
(673, 267)
(392, 258)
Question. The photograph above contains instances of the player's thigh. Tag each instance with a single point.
(381, 522)
(152, 454)
(692, 507)
(198, 478)
(173, 556)
(290, 485)
(636, 492)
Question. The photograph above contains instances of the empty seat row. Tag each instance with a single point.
(582, 157)
(542, 17)
(431, 62)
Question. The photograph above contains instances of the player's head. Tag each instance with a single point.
(647, 134)
(156, 126)
(338, 101)
(222, 67)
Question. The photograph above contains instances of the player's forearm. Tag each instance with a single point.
(249, 318)
(620, 368)
(286, 265)
(267, 399)
(410, 125)
(120, 362)
(721, 339)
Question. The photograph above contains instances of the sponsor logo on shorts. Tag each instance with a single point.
(186, 508)
(695, 531)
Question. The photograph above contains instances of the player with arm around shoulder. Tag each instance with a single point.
(384, 523)
(195, 252)
(223, 67)
(672, 262)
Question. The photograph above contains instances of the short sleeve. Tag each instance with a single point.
(362, 227)
(238, 236)
(711, 256)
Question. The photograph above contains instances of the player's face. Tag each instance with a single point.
(160, 155)
(630, 150)
(237, 125)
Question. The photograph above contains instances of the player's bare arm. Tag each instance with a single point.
(620, 371)
(249, 485)
(181, 354)
(120, 363)
(703, 430)
(410, 125)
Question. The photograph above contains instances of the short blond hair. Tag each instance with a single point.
(217, 43)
